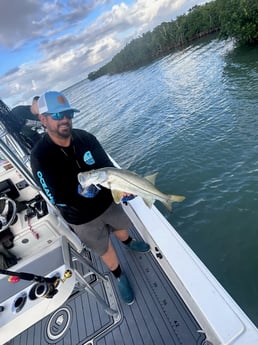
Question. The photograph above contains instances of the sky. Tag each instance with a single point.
(51, 45)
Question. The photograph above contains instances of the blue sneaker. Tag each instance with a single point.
(139, 246)
(125, 289)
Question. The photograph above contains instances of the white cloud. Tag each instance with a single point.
(67, 47)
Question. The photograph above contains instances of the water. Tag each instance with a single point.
(193, 117)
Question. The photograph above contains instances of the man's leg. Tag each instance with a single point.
(122, 235)
(137, 246)
(111, 260)
(119, 221)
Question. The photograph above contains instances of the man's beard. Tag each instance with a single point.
(64, 133)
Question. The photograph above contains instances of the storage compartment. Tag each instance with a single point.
(7, 188)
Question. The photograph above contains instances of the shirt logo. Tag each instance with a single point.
(88, 159)
(45, 187)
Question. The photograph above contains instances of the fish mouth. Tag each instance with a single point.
(82, 179)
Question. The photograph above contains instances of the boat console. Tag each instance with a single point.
(29, 243)
(38, 252)
(24, 216)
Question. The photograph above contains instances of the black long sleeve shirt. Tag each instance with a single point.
(23, 122)
(56, 169)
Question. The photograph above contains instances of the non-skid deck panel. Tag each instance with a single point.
(87, 320)
(157, 317)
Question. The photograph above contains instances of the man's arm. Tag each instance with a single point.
(42, 177)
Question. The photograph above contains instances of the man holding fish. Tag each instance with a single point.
(60, 162)
(56, 160)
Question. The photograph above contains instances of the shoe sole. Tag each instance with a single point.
(130, 303)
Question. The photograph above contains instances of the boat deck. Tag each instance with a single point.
(158, 315)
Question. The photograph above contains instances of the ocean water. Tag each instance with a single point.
(193, 118)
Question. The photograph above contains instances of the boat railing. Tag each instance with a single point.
(19, 159)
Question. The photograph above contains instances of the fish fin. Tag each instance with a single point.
(168, 204)
(148, 202)
(117, 195)
(151, 178)
(172, 198)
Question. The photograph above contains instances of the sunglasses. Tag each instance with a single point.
(59, 116)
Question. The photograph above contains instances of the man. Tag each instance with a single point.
(56, 160)
(26, 122)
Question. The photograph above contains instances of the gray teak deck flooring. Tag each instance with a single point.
(157, 317)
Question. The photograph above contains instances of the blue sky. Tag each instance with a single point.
(55, 43)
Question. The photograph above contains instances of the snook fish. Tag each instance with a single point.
(121, 181)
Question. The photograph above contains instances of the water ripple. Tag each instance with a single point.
(191, 116)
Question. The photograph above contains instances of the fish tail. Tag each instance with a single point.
(173, 198)
(177, 198)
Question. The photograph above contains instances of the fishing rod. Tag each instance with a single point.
(45, 287)
(27, 276)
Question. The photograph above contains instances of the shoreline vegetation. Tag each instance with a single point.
(228, 18)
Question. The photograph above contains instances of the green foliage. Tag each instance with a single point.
(239, 19)
(232, 18)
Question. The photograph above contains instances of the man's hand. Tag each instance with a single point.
(88, 192)
(127, 197)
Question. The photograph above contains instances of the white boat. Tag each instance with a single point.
(65, 295)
